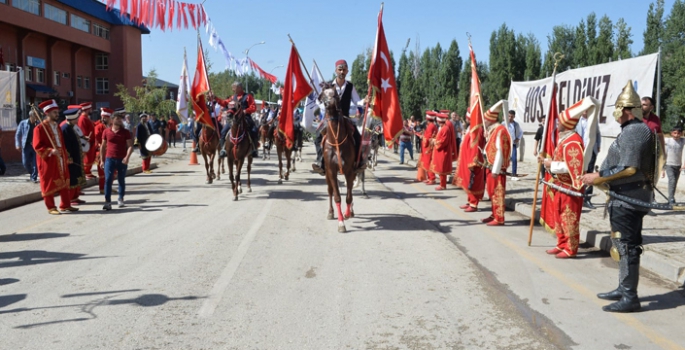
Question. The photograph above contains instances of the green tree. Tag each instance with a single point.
(449, 77)
(147, 98)
(604, 51)
(561, 40)
(673, 56)
(580, 46)
(533, 58)
(653, 34)
(410, 93)
(507, 62)
(623, 40)
(464, 88)
(591, 34)
(359, 74)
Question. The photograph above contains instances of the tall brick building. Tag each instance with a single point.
(72, 50)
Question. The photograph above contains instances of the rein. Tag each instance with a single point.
(236, 140)
(337, 144)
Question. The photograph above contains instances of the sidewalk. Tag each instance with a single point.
(17, 190)
(663, 234)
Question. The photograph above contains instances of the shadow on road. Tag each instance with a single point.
(399, 222)
(6, 281)
(6, 300)
(670, 300)
(15, 237)
(36, 257)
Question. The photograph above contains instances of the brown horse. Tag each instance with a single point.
(266, 139)
(283, 150)
(209, 145)
(338, 154)
(238, 147)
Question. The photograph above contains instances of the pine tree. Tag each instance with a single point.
(561, 40)
(449, 77)
(464, 88)
(654, 32)
(623, 40)
(673, 55)
(359, 74)
(604, 51)
(411, 98)
(580, 46)
(506, 63)
(533, 58)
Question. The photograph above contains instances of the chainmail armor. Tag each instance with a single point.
(634, 147)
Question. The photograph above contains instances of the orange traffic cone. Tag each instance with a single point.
(193, 157)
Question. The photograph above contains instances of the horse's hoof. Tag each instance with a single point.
(249, 190)
(287, 177)
(346, 216)
(235, 198)
(341, 227)
(330, 216)
(352, 214)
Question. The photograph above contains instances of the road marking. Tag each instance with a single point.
(224, 280)
(631, 321)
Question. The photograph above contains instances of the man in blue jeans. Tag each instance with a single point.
(405, 142)
(516, 134)
(117, 146)
(23, 141)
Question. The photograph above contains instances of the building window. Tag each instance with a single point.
(40, 75)
(79, 81)
(28, 73)
(101, 61)
(101, 31)
(3, 1)
(32, 6)
(55, 14)
(101, 86)
(86, 83)
(79, 23)
(55, 78)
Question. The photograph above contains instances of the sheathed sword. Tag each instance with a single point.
(562, 189)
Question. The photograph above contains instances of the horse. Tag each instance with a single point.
(209, 145)
(266, 140)
(238, 147)
(338, 154)
(283, 151)
(298, 143)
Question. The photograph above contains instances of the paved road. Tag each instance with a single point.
(184, 267)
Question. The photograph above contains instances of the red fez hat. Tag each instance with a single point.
(339, 63)
(441, 116)
(430, 115)
(106, 112)
(86, 106)
(74, 107)
(48, 106)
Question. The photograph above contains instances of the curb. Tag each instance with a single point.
(28, 198)
(654, 262)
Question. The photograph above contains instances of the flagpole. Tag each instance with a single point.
(557, 58)
(303, 65)
(369, 92)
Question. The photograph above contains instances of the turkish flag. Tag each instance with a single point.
(198, 89)
(549, 144)
(386, 104)
(295, 89)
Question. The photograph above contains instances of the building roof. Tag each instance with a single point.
(160, 83)
(99, 11)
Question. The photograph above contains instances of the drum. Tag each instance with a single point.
(156, 145)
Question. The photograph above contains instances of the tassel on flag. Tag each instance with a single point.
(295, 89)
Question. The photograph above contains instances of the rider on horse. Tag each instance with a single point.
(348, 95)
(246, 101)
(198, 127)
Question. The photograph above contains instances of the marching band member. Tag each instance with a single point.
(427, 136)
(497, 156)
(444, 151)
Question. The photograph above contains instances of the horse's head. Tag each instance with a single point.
(330, 98)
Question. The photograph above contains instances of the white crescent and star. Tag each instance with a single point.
(385, 83)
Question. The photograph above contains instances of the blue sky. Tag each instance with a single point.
(328, 31)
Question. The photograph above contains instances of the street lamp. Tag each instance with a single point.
(247, 55)
(272, 69)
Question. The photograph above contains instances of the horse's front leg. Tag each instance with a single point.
(230, 175)
(279, 151)
(249, 169)
(292, 160)
(336, 194)
(287, 168)
(238, 170)
(330, 198)
(349, 211)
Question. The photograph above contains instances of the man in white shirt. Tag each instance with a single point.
(516, 134)
(582, 130)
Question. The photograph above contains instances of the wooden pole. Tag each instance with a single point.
(557, 58)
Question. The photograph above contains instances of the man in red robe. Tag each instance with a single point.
(497, 156)
(427, 136)
(100, 126)
(470, 173)
(567, 165)
(86, 125)
(52, 160)
(444, 151)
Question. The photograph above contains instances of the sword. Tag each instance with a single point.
(562, 189)
(637, 202)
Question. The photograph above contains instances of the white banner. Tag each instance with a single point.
(183, 90)
(8, 100)
(311, 103)
(604, 82)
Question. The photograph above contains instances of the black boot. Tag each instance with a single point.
(588, 204)
(629, 301)
(255, 143)
(318, 166)
(222, 147)
(615, 294)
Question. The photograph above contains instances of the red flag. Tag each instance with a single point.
(161, 14)
(191, 12)
(135, 14)
(142, 12)
(203, 14)
(170, 20)
(110, 5)
(262, 73)
(386, 104)
(179, 10)
(185, 16)
(123, 7)
(549, 143)
(151, 14)
(295, 89)
(198, 89)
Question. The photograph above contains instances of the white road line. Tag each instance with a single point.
(224, 280)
